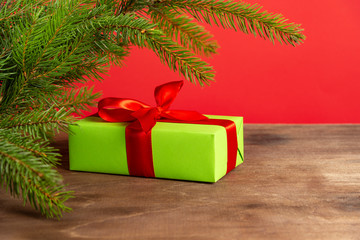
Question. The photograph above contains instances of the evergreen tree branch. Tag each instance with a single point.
(76, 100)
(37, 147)
(240, 16)
(55, 27)
(182, 28)
(20, 36)
(11, 9)
(116, 53)
(142, 33)
(27, 35)
(25, 174)
(182, 60)
(37, 123)
(22, 163)
(64, 60)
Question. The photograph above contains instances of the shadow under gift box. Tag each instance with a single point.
(182, 151)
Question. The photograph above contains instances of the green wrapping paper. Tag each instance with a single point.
(182, 151)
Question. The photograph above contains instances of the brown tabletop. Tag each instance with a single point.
(297, 182)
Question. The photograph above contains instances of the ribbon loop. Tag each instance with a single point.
(119, 109)
(165, 94)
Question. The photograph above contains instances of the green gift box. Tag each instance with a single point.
(183, 151)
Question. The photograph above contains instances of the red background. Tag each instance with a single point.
(316, 82)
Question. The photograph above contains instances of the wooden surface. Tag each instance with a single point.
(297, 182)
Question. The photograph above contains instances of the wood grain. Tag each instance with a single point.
(297, 182)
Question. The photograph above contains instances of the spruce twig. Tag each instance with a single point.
(182, 28)
(240, 16)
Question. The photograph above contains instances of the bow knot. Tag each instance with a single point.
(142, 116)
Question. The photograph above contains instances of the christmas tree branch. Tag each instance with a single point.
(116, 53)
(18, 161)
(142, 33)
(75, 99)
(182, 60)
(64, 59)
(56, 27)
(40, 149)
(10, 9)
(181, 27)
(50, 200)
(37, 123)
(26, 174)
(240, 16)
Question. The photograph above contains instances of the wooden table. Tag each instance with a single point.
(297, 182)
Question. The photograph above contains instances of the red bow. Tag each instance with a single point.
(143, 116)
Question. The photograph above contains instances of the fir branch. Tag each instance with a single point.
(27, 34)
(182, 60)
(11, 9)
(64, 60)
(37, 123)
(6, 71)
(142, 33)
(116, 53)
(25, 174)
(182, 28)
(130, 6)
(22, 163)
(49, 200)
(39, 148)
(20, 36)
(76, 100)
(240, 16)
(55, 27)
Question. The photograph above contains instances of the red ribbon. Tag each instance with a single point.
(143, 118)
